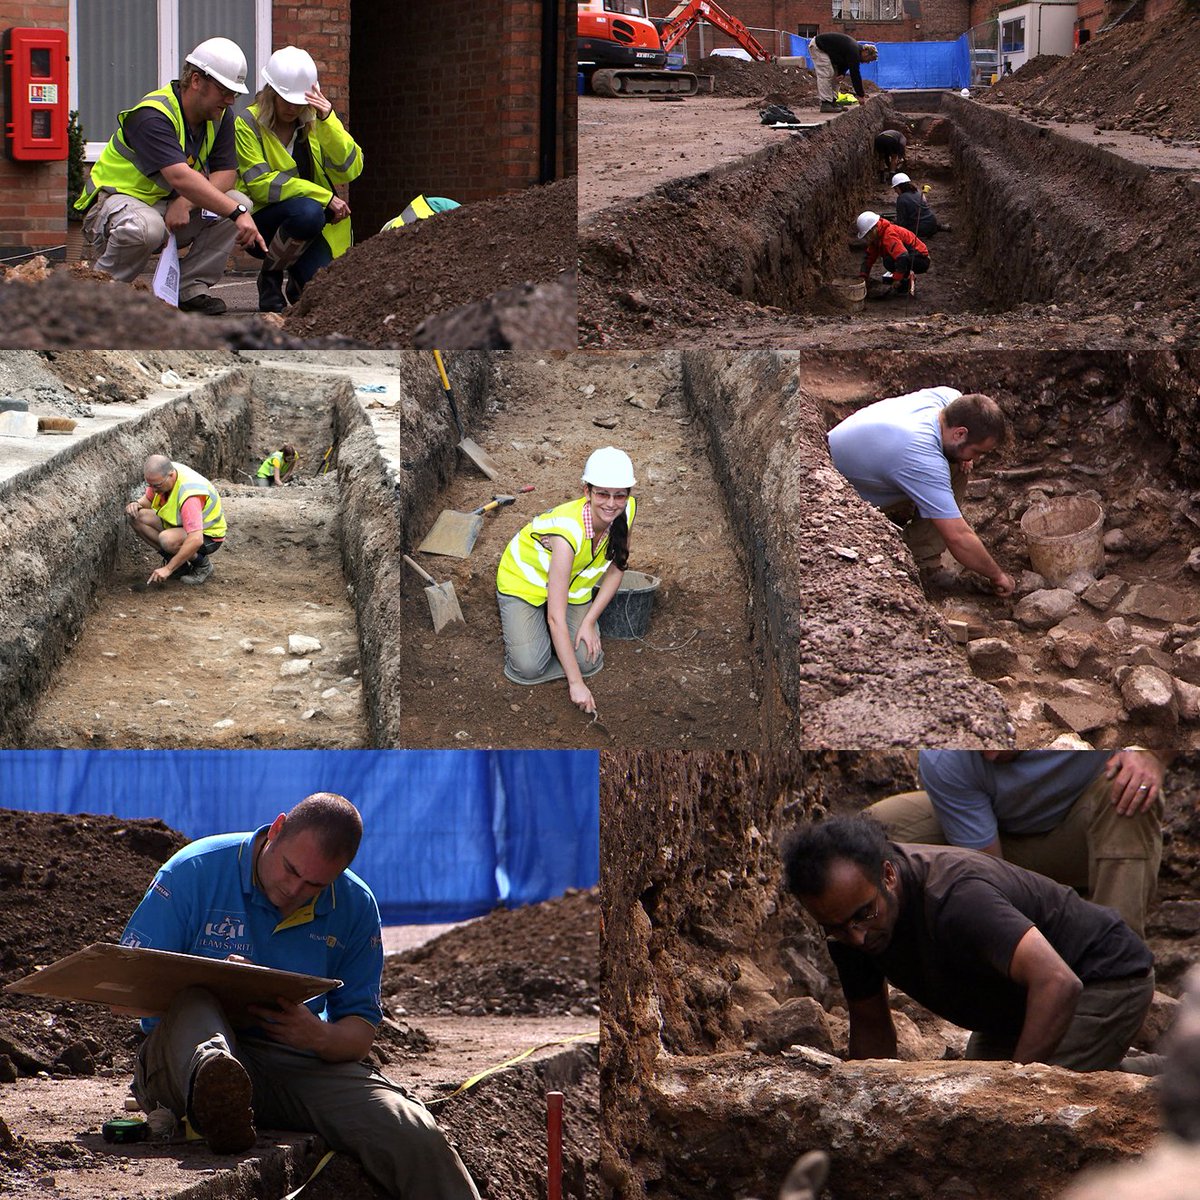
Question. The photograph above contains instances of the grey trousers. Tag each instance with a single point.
(1107, 1018)
(125, 232)
(355, 1109)
(528, 651)
(823, 70)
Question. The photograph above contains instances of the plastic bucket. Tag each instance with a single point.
(628, 612)
(849, 293)
(1065, 535)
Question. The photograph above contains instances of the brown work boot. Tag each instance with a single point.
(220, 1105)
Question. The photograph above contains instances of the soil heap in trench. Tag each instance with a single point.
(381, 290)
(770, 82)
(1140, 76)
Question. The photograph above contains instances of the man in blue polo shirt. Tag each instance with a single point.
(910, 456)
(283, 897)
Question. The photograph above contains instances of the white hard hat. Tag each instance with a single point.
(291, 72)
(609, 467)
(866, 222)
(900, 178)
(223, 60)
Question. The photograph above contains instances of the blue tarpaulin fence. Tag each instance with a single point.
(904, 65)
(448, 834)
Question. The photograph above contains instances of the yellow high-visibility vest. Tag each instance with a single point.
(268, 173)
(118, 167)
(187, 484)
(525, 565)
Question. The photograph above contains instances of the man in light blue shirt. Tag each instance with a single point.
(283, 897)
(910, 455)
(1091, 819)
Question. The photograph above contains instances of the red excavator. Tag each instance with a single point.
(624, 50)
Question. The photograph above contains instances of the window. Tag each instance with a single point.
(868, 10)
(807, 31)
(122, 49)
(1012, 36)
(628, 8)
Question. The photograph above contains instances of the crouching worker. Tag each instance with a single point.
(276, 469)
(180, 516)
(903, 253)
(912, 209)
(171, 168)
(292, 151)
(1036, 973)
(283, 896)
(549, 570)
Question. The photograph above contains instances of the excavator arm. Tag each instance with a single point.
(683, 16)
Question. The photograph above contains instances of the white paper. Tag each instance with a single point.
(166, 277)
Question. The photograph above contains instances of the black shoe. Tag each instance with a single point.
(827, 106)
(270, 291)
(205, 302)
(199, 569)
(293, 289)
(220, 1105)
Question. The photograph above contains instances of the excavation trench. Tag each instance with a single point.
(1048, 229)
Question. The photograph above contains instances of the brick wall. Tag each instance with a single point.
(324, 31)
(33, 206)
(448, 101)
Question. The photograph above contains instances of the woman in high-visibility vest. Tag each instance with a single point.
(292, 152)
(550, 570)
(277, 468)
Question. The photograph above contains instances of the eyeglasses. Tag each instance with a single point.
(857, 923)
(600, 494)
(226, 93)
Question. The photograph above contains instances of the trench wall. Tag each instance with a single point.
(385, 511)
(859, 657)
(64, 520)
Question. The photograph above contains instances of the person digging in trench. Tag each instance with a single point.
(912, 209)
(276, 469)
(1090, 819)
(554, 579)
(1036, 973)
(911, 456)
(891, 146)
(170, 169)
(292, 153)
(903, 253)
(283, 896)
(835, 55)
(180, 516)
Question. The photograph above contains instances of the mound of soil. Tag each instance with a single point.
(737, 77)
(539, 960)
(383, 288)
(1138, 77)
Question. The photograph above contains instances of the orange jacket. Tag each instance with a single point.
(893, 241)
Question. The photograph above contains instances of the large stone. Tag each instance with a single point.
(798, 1022)
(1151, 656)
(1160, 603)
(1104, 593)
(1149, 695)
(1029, 581)
(295, 666)
(299, 643)
(1187, 695)
(1041, 610)
(991, 657)
(77, 1059)
(1081, 713)
(1185, 662)
(1071, 647)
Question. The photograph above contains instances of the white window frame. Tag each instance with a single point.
(168, 53)
(1013, 23)
(868, 10)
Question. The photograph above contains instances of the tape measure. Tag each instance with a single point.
(125, 1129)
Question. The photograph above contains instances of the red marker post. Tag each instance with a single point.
(554, 1111)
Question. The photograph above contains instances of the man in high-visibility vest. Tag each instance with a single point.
(180, 516)
(171, 168)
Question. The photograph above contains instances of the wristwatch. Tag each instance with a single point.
(241, 210)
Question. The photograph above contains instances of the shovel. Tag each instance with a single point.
(470, 448)
(443, 603)
(454, 533)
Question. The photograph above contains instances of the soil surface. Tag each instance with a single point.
(1131, 78)
(70, 880)
(381, 290)
(770, 83)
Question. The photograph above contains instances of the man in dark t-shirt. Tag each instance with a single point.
(834, 55)
(1038, 974)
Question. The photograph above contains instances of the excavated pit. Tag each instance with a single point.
(1057, 239)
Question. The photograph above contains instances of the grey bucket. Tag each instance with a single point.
(628, 613)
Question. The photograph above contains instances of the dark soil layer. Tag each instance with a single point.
(705, 959)
(1138, 76)
(538, 960)
(737, 77)
(381, 290)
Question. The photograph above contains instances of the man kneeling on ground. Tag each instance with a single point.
(283, 896)
(1036, 973)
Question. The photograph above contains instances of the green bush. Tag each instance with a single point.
(75, 165)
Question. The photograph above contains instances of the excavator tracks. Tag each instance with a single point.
(642, 81)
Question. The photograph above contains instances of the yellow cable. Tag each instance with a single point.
(316, 1171)
(470, 1083)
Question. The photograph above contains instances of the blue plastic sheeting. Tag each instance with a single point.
(903, 65)
(448, 834)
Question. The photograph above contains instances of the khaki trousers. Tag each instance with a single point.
(919, 533)
(528, 651)
(1114, 858)
(125, 232)
(1107, 1018)
(823, 70)
(354, 1108)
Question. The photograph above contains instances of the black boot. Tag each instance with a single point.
(270, 291)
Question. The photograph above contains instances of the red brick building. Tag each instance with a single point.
(454, 99)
